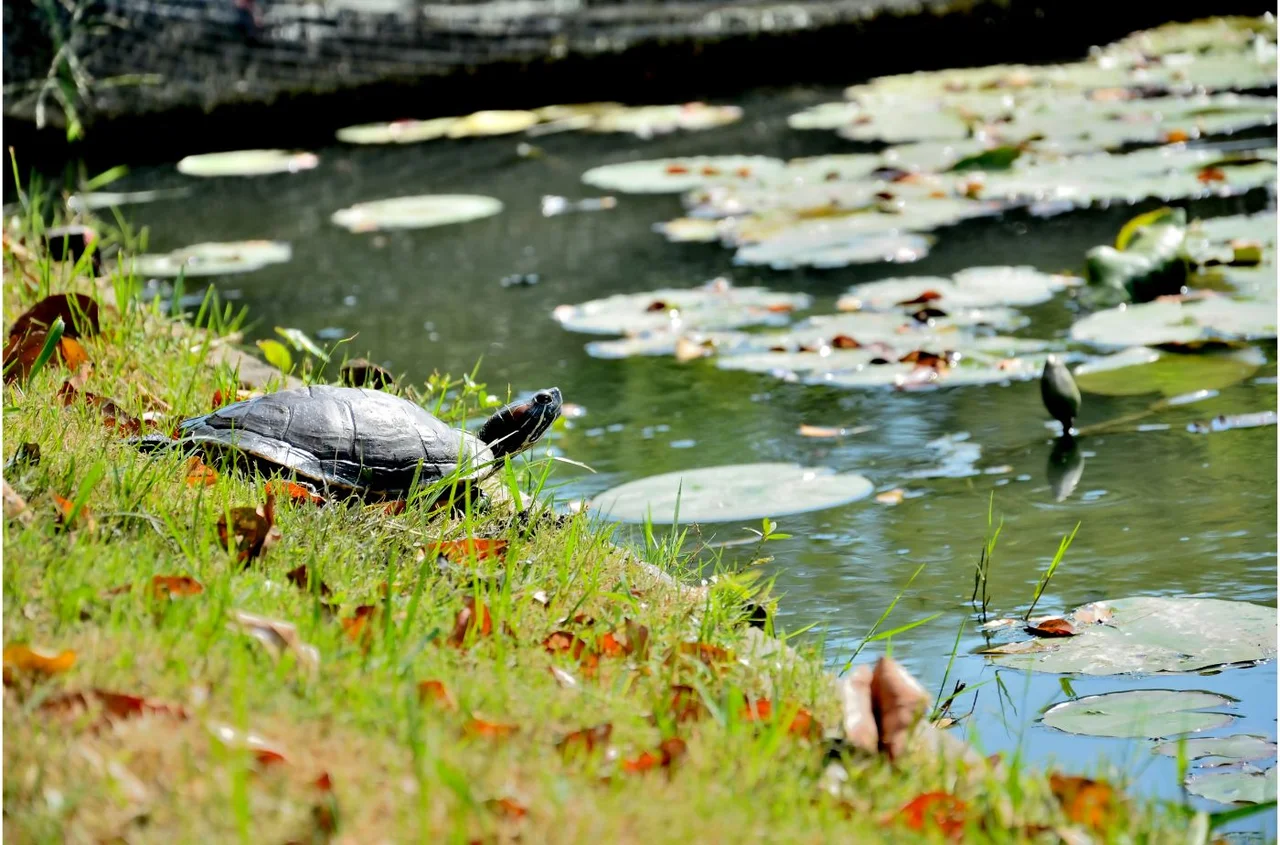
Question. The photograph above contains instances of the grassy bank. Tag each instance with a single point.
(355, 681)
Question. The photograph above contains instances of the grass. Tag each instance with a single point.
(273, 750)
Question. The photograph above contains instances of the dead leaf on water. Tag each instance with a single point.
(1051, 627)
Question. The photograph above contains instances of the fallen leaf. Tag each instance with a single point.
(264, 752)
(942, 810)
(508, 808)
(1051, 627)
(858, 717)
(357, 625)
(586, 740)
(295, 492)
(113, 416)
(359, 372)
(891, 497)
(637, 644)
(565, 642)
(395, 508)
(761, 710)
(1175, 136)
(472, 620)
(921, 358)
(1211, 174)
(479, 727)
(78, 312)
(83, 519)
(72, 353)
(115, 705)
(843, 341)
(1091, 803)
(707, 653)
(278, 637)
(656, 305)
(25, 659)
(459, 550)
(610, 647)
(198, 473)
(175, 586)
(255, 529)
(898, 702)
(438, 693)
(686, 704)
(668, 752)
(927, 296)
(301, 578)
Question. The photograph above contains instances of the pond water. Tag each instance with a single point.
(1163, 512)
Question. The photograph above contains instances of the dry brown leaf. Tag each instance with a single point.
(295, 492)
(942, 810)
(843, 341)
(24, 659)
(898, 702)
(496, 730)
(175, 586)
(1091, 803)
(1051, 627)
(255, 529)
(79, 315)
(113, 416)
(473, 621)
(438, 693)
(586, 740)
(83, 519)
(686, 704)
(565, 642)
(457, 551)
(278, 637)
(115, 705)
(357, 626)
(801, 724)
(508, 808)
(359, 372)
(668, 752)
(200, 474)
(706, 652)
(858, 720)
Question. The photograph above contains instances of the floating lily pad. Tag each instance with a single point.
(665, 342)
(397, 131)
(675, 175)
(484, 123)
(690, 230)
(1154, 323)
(858, 249)
(1228, 423)
(1235, 747)
(247, 163)
(1142, 370)
(213, 259)
(975, 287)
(717, 305)
(1139, 713)
(648, 121)
(1235, 787)
(1149, 634)
(731, 493)
(416, 212)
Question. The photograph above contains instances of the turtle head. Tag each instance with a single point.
(515, 427)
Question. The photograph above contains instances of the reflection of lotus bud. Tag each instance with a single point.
(1059, 392)
(1066, 465)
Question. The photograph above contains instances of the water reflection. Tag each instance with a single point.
(1066, 465)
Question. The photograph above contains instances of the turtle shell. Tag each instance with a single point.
(365, 441)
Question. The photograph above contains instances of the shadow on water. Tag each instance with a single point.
(1162, 512)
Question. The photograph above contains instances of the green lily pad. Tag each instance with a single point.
(733, 493)
(248, 163)
(397, 131)
(717, 305)
(975, 287)
(1142, 370)
(213, 259)
(676, 175)
(1235, 747)
(1139, 713)
(790, 253)
(1155, 323)
(1235, 787)
(1149, 634)
(416, 212)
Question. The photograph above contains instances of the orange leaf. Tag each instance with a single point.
(668, 752)
(820, 431)
(586, 740)
(686, 704)
(436, 691)
(479, 727)
(707, 653)
(610, 647)
(173, 586)
(927, 296)
(114, 704)
(456, 550)
(217, 399)
(507, 808)
(843, 341)
(1088, 802)
(473, 617)
(395, 508)
(1051, 628)
(199, 473)
(73, 354)
(24, 658)
(84, 519)
(676, 169)
(295, 492)
(113, 417)
(761, 710)
(254, 531)
(565, 641)
(1175, 136)
(938, 809)
(1211, 174)
(356, 625)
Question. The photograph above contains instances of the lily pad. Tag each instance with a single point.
(731, 493)
(416, 212)
(1149, 634)
(397, 131)
(1228, 423)
(484, 123)
(1235, 787)
(648, 121)
(717, 305)
(247, 163)
(1142, 370)
(97, 200)
(1235, 747)
(213, 259)
(675, 175)
(896, 248)
(1139, 713)
(1154, 323)
(975, 287)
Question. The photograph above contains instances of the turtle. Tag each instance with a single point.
(359, 442)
